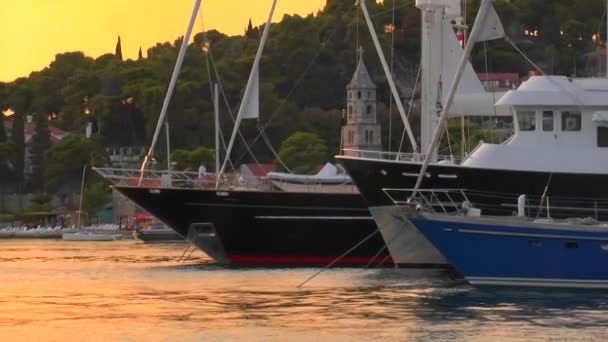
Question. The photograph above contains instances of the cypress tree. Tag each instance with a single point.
(140, 55)
(40, 143)
(118, 52)
(2, 130)
(18, 136)
(250, 32)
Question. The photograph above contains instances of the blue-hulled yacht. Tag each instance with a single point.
(527, 249)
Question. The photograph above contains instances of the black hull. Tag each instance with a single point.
(257, 228)
(582, 195)
(170, 236)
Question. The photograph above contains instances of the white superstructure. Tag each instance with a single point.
(561, 125)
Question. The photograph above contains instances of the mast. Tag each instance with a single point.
(249, 90)
(389, 76)
(432, 14)
(168, 145)
(176, 70)
(216, 115)
(473, 37)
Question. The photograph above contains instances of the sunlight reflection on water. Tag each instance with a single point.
(55, 290)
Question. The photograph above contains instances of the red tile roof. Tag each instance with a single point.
(488, 76)
(30, 130)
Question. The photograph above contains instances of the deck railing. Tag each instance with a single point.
(468, 202)
(398, 156)
(190, 180)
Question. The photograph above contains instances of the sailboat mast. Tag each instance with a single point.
(389, 76)
(475, 33)
(253, 77)
(216, 116)
(176, 70)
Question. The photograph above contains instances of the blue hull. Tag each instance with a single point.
(523, 254)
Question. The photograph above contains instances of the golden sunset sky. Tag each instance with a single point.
(33, 31)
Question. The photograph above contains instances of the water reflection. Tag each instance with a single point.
(57, 290)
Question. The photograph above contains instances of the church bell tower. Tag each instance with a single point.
(361, 132)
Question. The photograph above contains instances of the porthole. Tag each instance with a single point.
(383, 172)
(604, 247)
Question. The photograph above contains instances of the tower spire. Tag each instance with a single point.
(361, 131)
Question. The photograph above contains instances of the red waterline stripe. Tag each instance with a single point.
(308, 260)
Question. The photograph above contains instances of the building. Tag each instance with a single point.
(29, 130)
(361, 131)
(499, 81)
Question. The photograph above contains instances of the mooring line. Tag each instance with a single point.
(338, 258)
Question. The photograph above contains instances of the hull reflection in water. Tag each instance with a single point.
(64, 291)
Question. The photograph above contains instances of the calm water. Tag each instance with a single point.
(55, 290)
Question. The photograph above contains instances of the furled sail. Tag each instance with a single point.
(251, 108)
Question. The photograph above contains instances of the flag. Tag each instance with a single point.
(492, 27)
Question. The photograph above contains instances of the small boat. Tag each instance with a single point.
(34, 233)
(89, 236)
(514, 250)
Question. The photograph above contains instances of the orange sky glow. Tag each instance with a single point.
(33, 31)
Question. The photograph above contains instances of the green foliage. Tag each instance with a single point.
(303, 152)
(7, 152)
(39, 145)
(473, 134)
(2, 129)
(66, 159)
(305, 67)
(191, 159)
(41, 203)
(95, 196)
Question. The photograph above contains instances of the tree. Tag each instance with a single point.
(39, 145)
(303, 152)
(118, 52)
(2, 129)
(191, 159)
(140, 55)
(95, 196)
(66, 159)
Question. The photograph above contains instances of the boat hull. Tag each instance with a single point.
(259, 228)
(495, 252)
(156, 236)
(588, 190)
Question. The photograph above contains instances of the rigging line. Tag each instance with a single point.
(485, 60)
(390, 100)
(375, 256)
(207, 52)
(312, 62)
(209, 56)
(271, 148)
(225, 98)
(549, 78)
(301, 78)
(386, 245)
(248, 150)
(339, 258)
(409, 110)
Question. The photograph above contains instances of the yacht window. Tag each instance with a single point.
(571, 121)
(526, 120)
(548, 121)
(602, 137)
